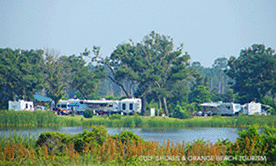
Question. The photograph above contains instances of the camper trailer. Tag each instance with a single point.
(102, 106)
(21, 105)
(130, 106)
(220, 108)
(252, 108)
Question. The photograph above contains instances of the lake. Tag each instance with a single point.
(148, 134)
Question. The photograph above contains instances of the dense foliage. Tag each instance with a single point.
(96, 147)
(253, 73)
(151, 67)
(153, 70)
(20, 74)
(88, 113)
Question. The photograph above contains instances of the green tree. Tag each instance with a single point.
(253, 73)
(199, 94)
(178, 112)
(20, 74)
(82, 77)
(150, 67)
(54, 77)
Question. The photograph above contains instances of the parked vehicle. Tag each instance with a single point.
(21, 105)
(125, 106)
(42, 108)
(130, 106)
(220, 108)
(64, 107)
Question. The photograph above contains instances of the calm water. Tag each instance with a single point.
(185, 134)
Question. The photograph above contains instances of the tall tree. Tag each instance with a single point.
(82, 76)
(151, 66)
(20, 74)
(253, 73)
(54, 76)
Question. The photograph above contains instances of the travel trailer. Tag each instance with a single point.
(21, 105)
(252, 108)
(102, 106)
(220, 108)
(130, 106)
(125, 106)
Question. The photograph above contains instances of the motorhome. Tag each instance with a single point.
(252, 108)
(130, 106)
(102, 106)
(220, 108)
(21, 105)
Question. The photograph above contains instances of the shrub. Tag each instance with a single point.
(97, 135)
(178, 112)
(126, 136)
(137, 120)
(115, 116)
(88, 113)
(56, 142)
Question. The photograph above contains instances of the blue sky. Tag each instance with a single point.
(209, 29)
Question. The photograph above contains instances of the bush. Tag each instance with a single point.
(126, 137)
(178, 112)
(97, 135)
(137, 120)
(56, 142)
(88, 113)
(115, 116)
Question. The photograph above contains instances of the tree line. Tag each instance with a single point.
(153, 69)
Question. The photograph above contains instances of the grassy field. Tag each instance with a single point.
(10, 119)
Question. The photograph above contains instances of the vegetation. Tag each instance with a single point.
(96, 147)
(153, 70)
(49, 119)
(150, 67)
(88, 113)
(253, 73)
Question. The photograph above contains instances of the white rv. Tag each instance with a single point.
(252, 108)
(21, 105)
(220, 108)
(102, 106)
(130, 106)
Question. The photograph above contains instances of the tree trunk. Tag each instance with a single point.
(143, 106)
(274, 103)
(165, 106)
(160, 103)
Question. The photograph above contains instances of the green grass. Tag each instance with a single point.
(16, 119)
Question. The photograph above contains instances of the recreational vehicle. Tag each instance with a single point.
(102, 106)
(21, 105)
(130, 106)
(252, 108)
(220, 108)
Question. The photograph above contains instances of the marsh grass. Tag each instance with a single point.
(18, 150)
(10, 119)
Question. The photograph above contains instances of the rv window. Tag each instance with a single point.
(124, 106)
(26, 105)
(130, 106)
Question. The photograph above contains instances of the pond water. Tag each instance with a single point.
(148, 134)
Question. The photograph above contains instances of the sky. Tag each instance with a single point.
(209, 29)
